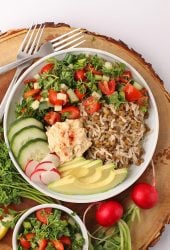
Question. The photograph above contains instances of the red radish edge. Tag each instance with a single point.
(40, 165)
(48, 172)
(30, 167)
(38, 172)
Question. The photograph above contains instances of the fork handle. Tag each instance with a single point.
(16, 63)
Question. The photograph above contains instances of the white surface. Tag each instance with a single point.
(143, 25)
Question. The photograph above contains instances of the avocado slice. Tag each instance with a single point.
(72, 185)
(77, 159)
(73, 165)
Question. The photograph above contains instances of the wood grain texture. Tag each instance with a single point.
(148, 231)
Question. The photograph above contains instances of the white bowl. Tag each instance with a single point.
(150, 139)
(60, 207)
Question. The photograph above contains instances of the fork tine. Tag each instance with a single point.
(77, 44)
(30, 38)
(36, 37)
(64, 35)
(25, 38)
(66, 44)
(39, 39)
(66, 39)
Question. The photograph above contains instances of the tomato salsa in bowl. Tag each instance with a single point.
(84, 111)
(50, 226)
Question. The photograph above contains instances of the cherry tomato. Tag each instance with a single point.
(107, 88)
(30, 80)
(42, 243)
(125, 77)
(144, 195)
(30, 236)
(65, 240)
(108, 213)
(48, 67)
(42, 214)
(58, 244)
(52, 95)
(93, 70)
(142, 101)
(52, 117)
(71, 112)
(24, 243)
(31, 92)
(78, 94)
(37, 97)
(91, 105)
(131, 93)
(80, 75)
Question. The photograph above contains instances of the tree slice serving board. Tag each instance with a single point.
(148, 231)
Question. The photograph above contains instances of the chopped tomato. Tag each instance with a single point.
(107, 88)
(65, 240)
(42, 243)
(52, 117)
(37, 97)
(24, 243)
(52, 95)
(30, 236)
(143, 101)
(30, 80)
(131, 93)
(48, 67)
(93, 70)
(80, 75)
(71, 112)
(126, 76)
(58, 244)
(42, 214)
(79, 94)
(31, 92)
(91, 105)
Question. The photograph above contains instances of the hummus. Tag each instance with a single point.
(68, 139)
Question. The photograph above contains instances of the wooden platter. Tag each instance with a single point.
(148, 231)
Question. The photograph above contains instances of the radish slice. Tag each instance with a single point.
(53, 158)
(49, 176)
(46, 165)
(30, 167)
(36, 175)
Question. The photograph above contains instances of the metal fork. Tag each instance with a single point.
(26, 47)
(70, 39)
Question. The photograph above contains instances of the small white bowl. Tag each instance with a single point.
(60, 207)
(150, 139)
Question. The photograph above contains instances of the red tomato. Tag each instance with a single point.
(71, 112)
(131, 93)
(78, 94)
(31, 92)
(29, 236)
(65, 240)
(108, 213)
(107, 88)
(42, 243)
(143, 101)
(92, 69)
(91, 105)
(25, 243)
(30, 80)
(48, 67)
(37, 97)
(126, 76)
(79, 75)
(52, 95)
(58, 244)
(52, 117)
(42, 214)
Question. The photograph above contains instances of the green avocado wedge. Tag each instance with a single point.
(73, 186)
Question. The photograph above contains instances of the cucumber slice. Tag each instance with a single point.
(35, 149)
(25, 135)
(137, 86)
(22, 123)
(72, 96)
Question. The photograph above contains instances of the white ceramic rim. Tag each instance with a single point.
(98, 196)
(60, 207)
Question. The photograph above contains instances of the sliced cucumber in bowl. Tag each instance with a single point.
(24, 135)
(35, 149)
